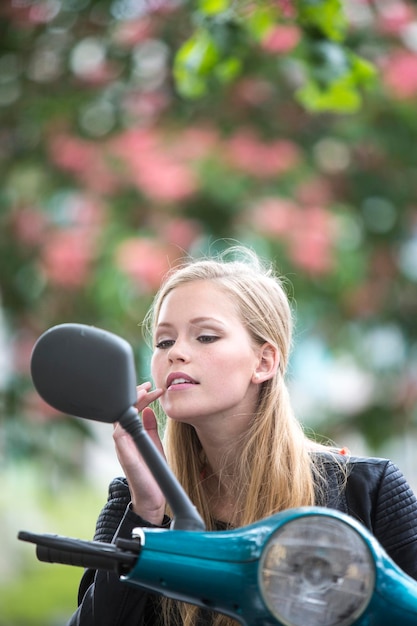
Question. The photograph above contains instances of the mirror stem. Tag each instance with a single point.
(185, 514)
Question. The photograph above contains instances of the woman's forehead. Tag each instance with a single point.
(197, 300)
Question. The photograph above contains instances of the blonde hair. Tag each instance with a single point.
(274, 465)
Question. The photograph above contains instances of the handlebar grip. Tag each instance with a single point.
(88, 554)
(79, 559)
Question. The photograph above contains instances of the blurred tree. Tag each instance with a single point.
(135, 132)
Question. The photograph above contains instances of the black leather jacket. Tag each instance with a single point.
(375, 493)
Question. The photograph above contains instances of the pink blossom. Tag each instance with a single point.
(67, 256)
(130, 149)
(314, 191)
(145, 106)
(129, 33)
(281, 39)
(311, 251)
(399, 73)
(42, 13)
(151, 167)
(85, 160)
(133, 144)
(259, 158)
(287, 7)
(19, 15)
(194, 143)
(311, 243)
(274, 216)
(307, 232)
(180, 232)
(252, 91)
(162, 179)
(394, 16)
(144, 261)
(29, 225)
(71, 154)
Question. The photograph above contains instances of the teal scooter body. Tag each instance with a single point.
(221, 571)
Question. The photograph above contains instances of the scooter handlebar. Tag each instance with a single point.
(119, 557)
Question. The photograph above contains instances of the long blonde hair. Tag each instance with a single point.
(275, 470)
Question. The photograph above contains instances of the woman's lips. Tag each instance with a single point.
(179, 380)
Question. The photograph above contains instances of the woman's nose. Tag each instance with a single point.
(178, 352)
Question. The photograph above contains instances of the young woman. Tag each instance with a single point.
(221, 333)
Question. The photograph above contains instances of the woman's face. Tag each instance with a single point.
(204, 358)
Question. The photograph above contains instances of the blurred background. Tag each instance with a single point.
(134, 132)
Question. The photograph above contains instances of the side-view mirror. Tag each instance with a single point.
(84, 371)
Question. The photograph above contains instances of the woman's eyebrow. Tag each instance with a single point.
(204, 319)
(212, 324)
(164, 325)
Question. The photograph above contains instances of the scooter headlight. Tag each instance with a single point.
(316, 571)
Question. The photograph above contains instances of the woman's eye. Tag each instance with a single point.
(164, 344)
(207, 338)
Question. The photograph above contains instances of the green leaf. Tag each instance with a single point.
(189, 85)
(260, 21)
(198, 55)
(213, 7)
(339, 97)
(334, 76)
(363, 71)
(228, 69)
(326, 17)
(202, 59)
(193, 63)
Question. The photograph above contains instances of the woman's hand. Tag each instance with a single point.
(148, 500)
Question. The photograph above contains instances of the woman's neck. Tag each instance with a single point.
(220, 441)
(221, 478)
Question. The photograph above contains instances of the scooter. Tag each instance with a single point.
(309, 566)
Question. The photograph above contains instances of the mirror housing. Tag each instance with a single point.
(85, 372)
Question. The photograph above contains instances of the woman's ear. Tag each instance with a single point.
(268, 363)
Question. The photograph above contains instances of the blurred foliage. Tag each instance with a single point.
(226, 32)
(49, 591)
(135, 132)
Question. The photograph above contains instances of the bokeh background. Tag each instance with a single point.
(134, 132)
